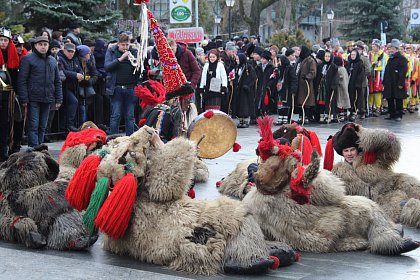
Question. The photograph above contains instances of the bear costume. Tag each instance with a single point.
(307, 208)
(33, 208)
(165, 226)
(371, 173)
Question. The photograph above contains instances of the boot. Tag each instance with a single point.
(321, 118)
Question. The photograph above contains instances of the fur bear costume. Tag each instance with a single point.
(240, 181)
(308, 209)
(371, 173)
(164, 225)
(33, 209)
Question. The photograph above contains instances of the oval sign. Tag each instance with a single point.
(180, 13)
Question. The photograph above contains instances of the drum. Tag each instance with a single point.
(214, 136)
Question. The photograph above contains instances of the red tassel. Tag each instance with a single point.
(191, 193)
(266, 99)
(209, 114)
(218, 183)
(115, 213)
(276, 263)
(369, 158)
(298, 192)
(142, 122)
(236, 147)
(315, 142)
(329, 155)
(305, 147)
(82, 183)
(297, 256)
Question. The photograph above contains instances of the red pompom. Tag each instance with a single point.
(142, 122)
(369, 158)
(276, 263)
(82, 183)
(115, 213)
(266, 101)
(329, 155)
(191, 193)
(236, 147)
(209, 114)
(218, 183)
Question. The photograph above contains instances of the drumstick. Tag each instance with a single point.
(201, 139)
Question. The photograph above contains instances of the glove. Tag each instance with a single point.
(224, 90)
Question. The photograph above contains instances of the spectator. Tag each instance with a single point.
(74, 33)
(120, 84)
(58, 36)
(327, 97)
(70, 65)
(87, 85)
(356, 72)
(367, 66)
(342, 91)
(213, 82)
(378, 59)
(45, 31)
(39, 88)
(9, 65)
(102, 103)
(395, 90)
(264, 97)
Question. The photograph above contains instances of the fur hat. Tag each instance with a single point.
(176, 83)
(230, 46)
(395, 43)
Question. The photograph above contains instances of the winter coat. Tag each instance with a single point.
(100, 51)
(220, 74)
(288, 82)
(264, 91)
(368, 68)
(39, 80)
(342, 90)
(70, 67)
(394, 77)
(243, 91)
(111, 66)
(356, 71)
(306, 74)
(188, 64)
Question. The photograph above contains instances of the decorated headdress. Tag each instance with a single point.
(12, 55)
(176, 83)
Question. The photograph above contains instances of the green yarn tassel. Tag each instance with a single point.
(97, 199)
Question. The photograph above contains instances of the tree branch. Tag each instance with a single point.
(246, 18)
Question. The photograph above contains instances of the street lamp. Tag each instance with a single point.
(230, 4)
(330, 17)
(217, 20)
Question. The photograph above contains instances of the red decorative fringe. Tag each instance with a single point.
(276, 263)
(266, 101)
(267, 143)
(236, 147)
(209, 114)
(315, 142)
(370, 158)
(305, 147)
(152, 93)
(329, 155)
(218, 183)
(12, 56)
(298, 192)
(191, 193)
(115, 213)
(82, 183)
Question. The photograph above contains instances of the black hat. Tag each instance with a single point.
(41, 39)
(55, 44)
(219, 44)
(74, 25)
(266, 54)
(259, 51)
(346, 138)
(289, 51)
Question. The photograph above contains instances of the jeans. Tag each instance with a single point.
(37, 122)
(123, 100)
(72, 104)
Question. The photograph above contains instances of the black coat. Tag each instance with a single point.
(70, 67)
(39, 80)
(356, 71)
(286, 74)
(263, 87)
(244, 92)
(394, 77)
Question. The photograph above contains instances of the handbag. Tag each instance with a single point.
(86, 92)
(215, 85)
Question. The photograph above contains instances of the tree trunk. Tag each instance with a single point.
(287, 16)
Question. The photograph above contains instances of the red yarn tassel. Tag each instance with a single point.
(218, 183)
(115, 213)
(298, 192)
(82, 183)
(370, 158)
(266, 99)
(329, 155)
(209, 114)
(236, 147)
(315, 142)
(305, 147)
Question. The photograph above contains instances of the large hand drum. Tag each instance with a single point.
(215, 136)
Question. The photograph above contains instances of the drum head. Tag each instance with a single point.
(215, 136)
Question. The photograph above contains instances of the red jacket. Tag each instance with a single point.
(188, 63)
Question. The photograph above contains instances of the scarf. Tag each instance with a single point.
(12, 57)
